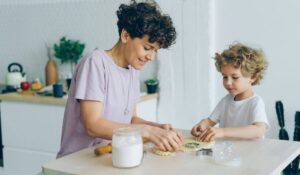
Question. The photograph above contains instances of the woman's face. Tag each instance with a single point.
(138, 51)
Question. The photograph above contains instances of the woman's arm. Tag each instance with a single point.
(137, 120)
(162, 135)
(96, 126)
(256, 130)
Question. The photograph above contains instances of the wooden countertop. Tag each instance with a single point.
(52, 100)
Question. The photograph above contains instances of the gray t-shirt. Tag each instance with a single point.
(98, 78)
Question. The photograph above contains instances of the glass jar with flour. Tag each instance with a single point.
(127, 148)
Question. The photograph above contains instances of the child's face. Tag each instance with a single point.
(235, 83)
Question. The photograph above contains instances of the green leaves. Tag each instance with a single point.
(68, 50)
(151, 82)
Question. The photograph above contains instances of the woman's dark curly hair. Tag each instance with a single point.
(252, 62)
(144, 18)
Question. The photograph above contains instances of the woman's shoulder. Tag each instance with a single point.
(96, 56)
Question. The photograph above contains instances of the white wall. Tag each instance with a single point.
(25, 26)
(185, 96)
(274, 26)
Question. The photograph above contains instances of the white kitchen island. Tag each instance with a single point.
(258, 157)
(31, 129)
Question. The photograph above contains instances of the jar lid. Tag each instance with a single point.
(126, 137)
(126, 131)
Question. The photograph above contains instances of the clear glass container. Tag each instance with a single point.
(127, 148)
(225, 153)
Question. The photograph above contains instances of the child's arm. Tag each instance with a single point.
(256, 130)
(201, 126)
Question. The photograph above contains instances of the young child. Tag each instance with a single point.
(241, 113)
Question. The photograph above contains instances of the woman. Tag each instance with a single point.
(105, 85)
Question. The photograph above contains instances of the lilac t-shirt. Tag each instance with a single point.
(98, 78)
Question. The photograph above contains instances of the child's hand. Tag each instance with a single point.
(210, 134)
(198, 129)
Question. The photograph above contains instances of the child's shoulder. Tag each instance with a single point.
(226, 100)
(256, 100)
(227, 97)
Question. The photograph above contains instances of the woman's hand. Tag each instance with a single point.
(166, 126)
(210, 134)
(165, 137)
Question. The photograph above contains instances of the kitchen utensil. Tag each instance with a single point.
(26, 92)
(204, 152)
(283, 135)
(15, 75)
(100, 150)
(104, 149)
(295, 163)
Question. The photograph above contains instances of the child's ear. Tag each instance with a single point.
(253, 79)
(124, 36)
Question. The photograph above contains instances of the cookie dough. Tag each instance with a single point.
(162, 153)
(192, 144)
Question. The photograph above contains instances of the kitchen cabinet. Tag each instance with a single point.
(31, 130)
(31, 135)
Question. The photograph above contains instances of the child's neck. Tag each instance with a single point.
(248, 93)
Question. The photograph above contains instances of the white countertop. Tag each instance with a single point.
(259, 157)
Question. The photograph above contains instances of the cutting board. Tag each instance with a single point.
(26, 92)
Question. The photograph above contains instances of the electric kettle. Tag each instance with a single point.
(15, 75)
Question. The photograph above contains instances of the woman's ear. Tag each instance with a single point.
(124, 36)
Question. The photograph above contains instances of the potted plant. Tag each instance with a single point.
(152, 85)
(68, 51)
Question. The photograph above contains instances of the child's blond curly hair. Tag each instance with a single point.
(252, 62)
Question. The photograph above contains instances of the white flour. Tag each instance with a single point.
(127, 156)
